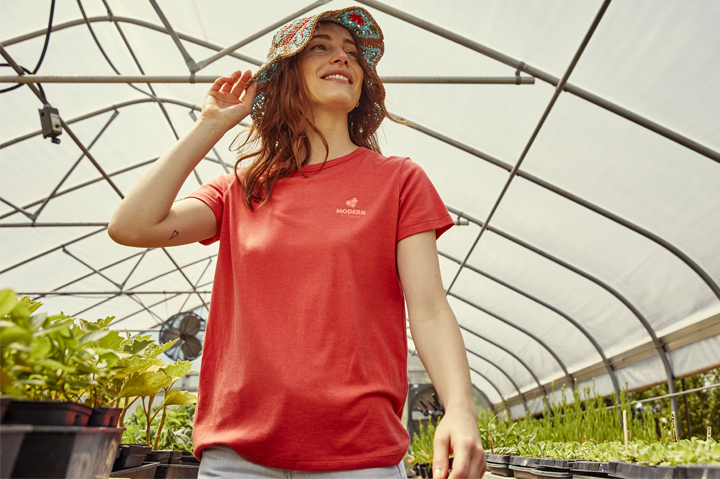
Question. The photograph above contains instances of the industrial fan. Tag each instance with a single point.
(185, 327)
(424, 407)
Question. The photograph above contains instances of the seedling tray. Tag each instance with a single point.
(497, 458)
(552, 464)
(627, 470)
(500, 469)
(523, 472)
(522, 461)
(591, 469)
(146, 471)
(543, 474)
(697, 471)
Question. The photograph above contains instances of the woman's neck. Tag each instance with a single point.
(335, 130)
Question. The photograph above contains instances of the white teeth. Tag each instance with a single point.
(338, 77)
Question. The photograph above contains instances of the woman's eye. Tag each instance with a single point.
(319, 46)
(353, 54)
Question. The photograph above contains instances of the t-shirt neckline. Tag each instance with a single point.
(330, 163)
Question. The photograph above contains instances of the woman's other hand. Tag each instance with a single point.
(458, 434)
(227, 102)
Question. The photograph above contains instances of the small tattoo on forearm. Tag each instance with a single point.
(175, 233)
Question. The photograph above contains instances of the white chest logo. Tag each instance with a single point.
(351, 210)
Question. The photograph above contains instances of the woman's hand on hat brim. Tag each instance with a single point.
(228, 102)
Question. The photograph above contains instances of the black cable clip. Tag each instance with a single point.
(517, 73)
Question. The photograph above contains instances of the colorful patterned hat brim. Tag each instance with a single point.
(292, 38)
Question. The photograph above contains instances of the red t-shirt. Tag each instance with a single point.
(304, 362)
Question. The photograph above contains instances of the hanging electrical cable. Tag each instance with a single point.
(42, 57)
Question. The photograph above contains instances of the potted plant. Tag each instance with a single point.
(47, 366)
(145, 385)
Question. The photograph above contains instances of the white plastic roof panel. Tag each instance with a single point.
(603, 248)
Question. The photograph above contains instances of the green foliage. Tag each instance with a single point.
(648, 453)
(55, 357)
(702, 406)
(59, 357)
(176, 433)
(422, 444)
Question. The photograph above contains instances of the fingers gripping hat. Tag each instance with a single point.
(292, 38)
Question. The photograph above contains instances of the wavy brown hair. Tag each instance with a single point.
(281, 138)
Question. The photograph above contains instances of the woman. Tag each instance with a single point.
(321, 238)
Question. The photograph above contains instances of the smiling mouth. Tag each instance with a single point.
(337, 77)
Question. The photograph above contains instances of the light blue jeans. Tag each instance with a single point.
(222, 461)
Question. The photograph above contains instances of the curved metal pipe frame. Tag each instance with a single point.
(662, 352)
(522, 396)
(542, 303)
(523, 330)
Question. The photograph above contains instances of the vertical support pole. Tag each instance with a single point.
(687, 411)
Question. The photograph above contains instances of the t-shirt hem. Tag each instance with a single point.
(339, 464)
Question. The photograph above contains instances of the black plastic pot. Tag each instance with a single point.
(625, 470)
(189, 459)
(130, 455)
(47, 413)
(176, 471)
(104, 417)
(4, 402)
(165, 456)
(545, 474)
(67, 451)
(146, 471)
(11, 438)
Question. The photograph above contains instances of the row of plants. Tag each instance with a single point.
(51, 359)
(585, 429)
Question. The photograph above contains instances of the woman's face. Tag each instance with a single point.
(330, 66)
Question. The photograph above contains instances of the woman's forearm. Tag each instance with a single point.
(441, 348)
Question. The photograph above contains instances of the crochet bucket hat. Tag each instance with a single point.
(292, 38)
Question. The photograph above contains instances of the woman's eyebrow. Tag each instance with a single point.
(327, 37)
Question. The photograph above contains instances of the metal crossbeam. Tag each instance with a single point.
(210, 79)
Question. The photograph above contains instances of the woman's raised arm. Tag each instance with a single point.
(149, 216)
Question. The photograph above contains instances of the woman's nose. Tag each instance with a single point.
(339, 55)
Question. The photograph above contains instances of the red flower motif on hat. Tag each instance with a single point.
(354, 17)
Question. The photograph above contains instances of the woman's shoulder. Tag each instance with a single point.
(381, 161)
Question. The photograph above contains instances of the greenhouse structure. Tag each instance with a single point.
(576, 145)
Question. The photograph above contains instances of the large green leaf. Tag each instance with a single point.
(92, 337)
(178, 369)
(111, 341)
(145, 384)
(14, 334)
(8, 300)
(156, 349)
(40, 349)
(176, 398)
(54, 365)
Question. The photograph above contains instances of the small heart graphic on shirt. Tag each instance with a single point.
(352, 202)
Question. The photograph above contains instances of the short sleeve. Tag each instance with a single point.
(421, 208)
(214, 194)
